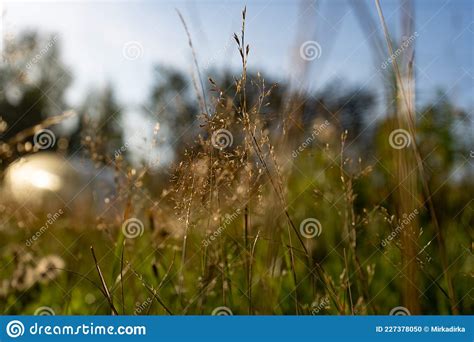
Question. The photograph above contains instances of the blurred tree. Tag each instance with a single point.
(172, 104)
(444, 150)
(100, 128)
(349, 106)
(33, 82)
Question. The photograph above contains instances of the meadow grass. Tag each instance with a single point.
(249, 222)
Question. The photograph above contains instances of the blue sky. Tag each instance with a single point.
(93, 34)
